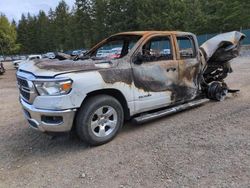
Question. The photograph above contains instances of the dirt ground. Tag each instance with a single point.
(208, 146)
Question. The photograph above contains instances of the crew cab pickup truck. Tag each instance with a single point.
(156, 73)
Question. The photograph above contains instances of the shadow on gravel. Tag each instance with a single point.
(131, 126)
(25, 143)
(43, 144)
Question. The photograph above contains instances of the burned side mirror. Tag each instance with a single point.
(138, 59)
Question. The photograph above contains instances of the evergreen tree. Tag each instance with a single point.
(61, 23)
(42, 32)
(7, 36)
(92, 20)
(83, 22)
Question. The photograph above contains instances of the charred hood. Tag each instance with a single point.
(51, 67)
(65, 65)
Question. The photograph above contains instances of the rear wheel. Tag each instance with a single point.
(99, 119)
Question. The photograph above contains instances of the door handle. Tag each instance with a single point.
(171, 69)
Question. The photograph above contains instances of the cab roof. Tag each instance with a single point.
(153, 33)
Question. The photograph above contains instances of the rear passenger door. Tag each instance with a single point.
(189, 66)
(156, 77)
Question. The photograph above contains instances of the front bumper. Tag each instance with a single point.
(36, 121)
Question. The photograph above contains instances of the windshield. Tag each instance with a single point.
(115, 47)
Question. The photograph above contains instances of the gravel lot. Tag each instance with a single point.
(208, 146)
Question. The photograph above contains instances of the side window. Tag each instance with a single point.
(186, 47)
(157, 49)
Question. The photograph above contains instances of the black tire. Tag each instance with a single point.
(217, 91)
(86, 115)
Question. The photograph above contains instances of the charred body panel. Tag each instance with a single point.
(151, 78)
(189, 72)
(65, 65)
(157, 79)
(111, 76)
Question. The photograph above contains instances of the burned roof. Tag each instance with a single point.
(153, 33)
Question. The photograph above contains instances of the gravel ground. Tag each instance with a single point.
(208, 146)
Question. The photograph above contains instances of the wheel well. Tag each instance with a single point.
(116, 94)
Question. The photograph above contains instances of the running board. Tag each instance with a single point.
(169, 111)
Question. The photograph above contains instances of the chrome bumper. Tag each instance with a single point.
(34, 117)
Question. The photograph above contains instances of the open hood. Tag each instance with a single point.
(222, 47)
(217, 53)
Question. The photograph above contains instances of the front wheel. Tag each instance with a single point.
(99, 119)
(217, 91)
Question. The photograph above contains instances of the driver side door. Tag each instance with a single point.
(156, 74)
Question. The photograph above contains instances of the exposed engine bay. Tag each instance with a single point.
(216, 54)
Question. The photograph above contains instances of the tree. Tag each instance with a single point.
(83, 22)
(92, 20)
(7, 36)
(120, 15)
(43, 33)
(61, 23)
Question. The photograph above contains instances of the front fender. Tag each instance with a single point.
(83, 83)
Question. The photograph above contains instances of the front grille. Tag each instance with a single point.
(25, 94)
(24, 88)
(22, 82)
(25, 84)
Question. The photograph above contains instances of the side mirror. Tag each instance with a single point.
(139, 58)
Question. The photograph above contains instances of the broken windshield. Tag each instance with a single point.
(115, 47)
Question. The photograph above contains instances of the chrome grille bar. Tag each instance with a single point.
(26, 88)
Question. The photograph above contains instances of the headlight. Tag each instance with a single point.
(53, 88)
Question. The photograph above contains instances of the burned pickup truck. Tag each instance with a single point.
(131, 75)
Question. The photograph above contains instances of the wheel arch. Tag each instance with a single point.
(114, 93)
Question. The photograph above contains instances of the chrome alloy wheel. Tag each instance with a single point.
(104, 121)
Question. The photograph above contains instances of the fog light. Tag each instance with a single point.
(52, 119)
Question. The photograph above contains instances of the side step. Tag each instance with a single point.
(169, 111)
